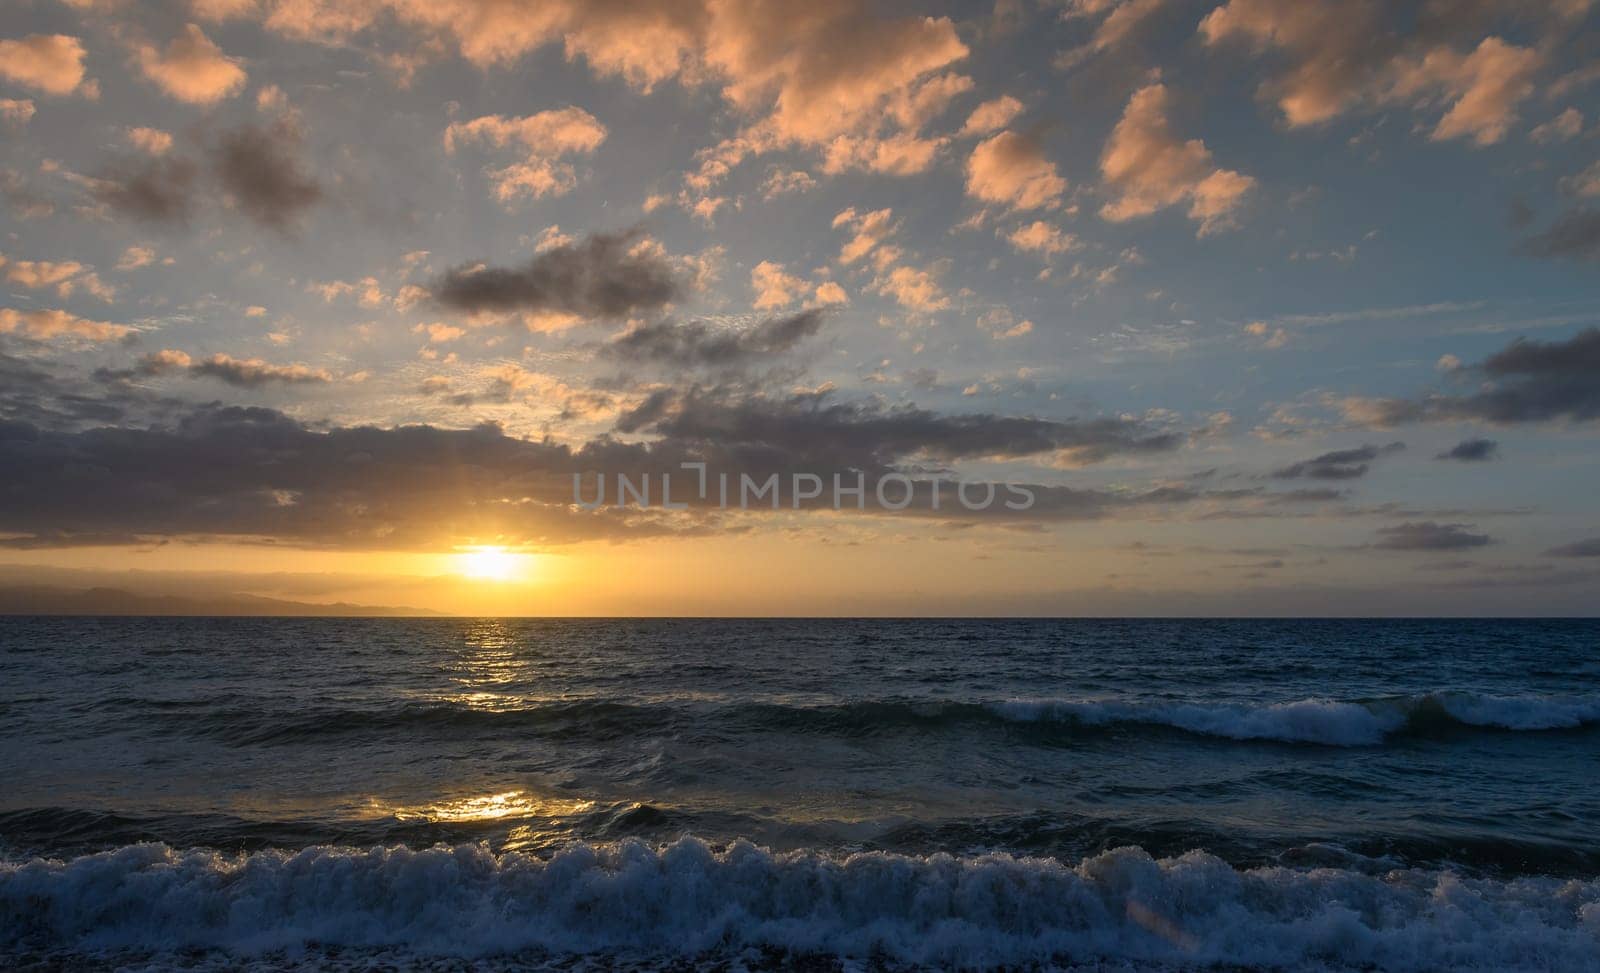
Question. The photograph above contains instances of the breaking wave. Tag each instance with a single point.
(1317, 721)
(1323, 721)
(691, 900)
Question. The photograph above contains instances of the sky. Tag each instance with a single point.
(1281, 307)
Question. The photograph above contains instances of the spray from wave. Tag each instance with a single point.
(689, 900)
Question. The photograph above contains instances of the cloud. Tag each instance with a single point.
(16, 111)
(991, 116)
(44, 325)
(257, 165)
(1561, 128)
(1527, 381)
(160, 189)
(1471, 451)
(135, 257)
(913, 289)
(1119, 20)
(546, 137)
(607, 275)
(1002, 325)
(835, 77)
(774, 286)
(1585, 183)
(192, 68)
(828, 292)
(1342, 464)
(52, 63)
(42, 273)
(246, 373)
(781, 182)
(810, 428)
(698, 344)
(1010, 170)
(1042, 238)
(1576, 235)
(1267, 335)
(1149, 168)
(1429, 536)
(1583, 548)
(152, 141)
(228, 471)
(870, 231)
(1484, 88)
(1341, 55)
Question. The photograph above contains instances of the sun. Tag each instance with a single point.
(490, 563)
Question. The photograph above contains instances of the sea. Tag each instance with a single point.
(497, 794)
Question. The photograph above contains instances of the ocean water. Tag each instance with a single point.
(457, 794)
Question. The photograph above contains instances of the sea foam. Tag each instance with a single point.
(691, 900)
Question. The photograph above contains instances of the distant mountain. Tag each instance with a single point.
(43, 600)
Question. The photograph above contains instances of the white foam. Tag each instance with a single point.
(684, 899)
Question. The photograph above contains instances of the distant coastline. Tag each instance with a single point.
(53, 600)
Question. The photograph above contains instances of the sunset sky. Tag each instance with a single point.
(1280, 306)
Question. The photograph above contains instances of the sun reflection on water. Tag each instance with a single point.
(505, 805)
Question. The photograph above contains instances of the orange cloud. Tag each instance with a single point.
(192, 68)
(1149, 168)
(44, 325)
(52, 63)
(546, 136)
(1011, 170)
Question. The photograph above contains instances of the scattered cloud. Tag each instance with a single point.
(1428, 535)
(607, 275)
(257, 165)
(1471, 451)
(51, 63)
(192, 68)
(991, 116)
(43, 325)
(1011, 171)
(1583, 548)
(546, 138)
(1148, 168)
(1342, 464)
(1561, 128)
(696, 343)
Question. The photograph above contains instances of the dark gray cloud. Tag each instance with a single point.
(1584, 548)
(1471, 451)
(1527, 381)
(653, 407)
(604, 276)
(1342, 464)
(1429, 535)
(258, 165)
(160, 190)
(1575, 235)
(247, 373)
(215, 470)
(869, 435)
(696, 343)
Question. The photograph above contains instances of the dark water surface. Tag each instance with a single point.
(1308, 794)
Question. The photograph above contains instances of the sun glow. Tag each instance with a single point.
(491, 564)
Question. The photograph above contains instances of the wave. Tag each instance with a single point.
(1318, 721)
(691, 900)
(1322, 721)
